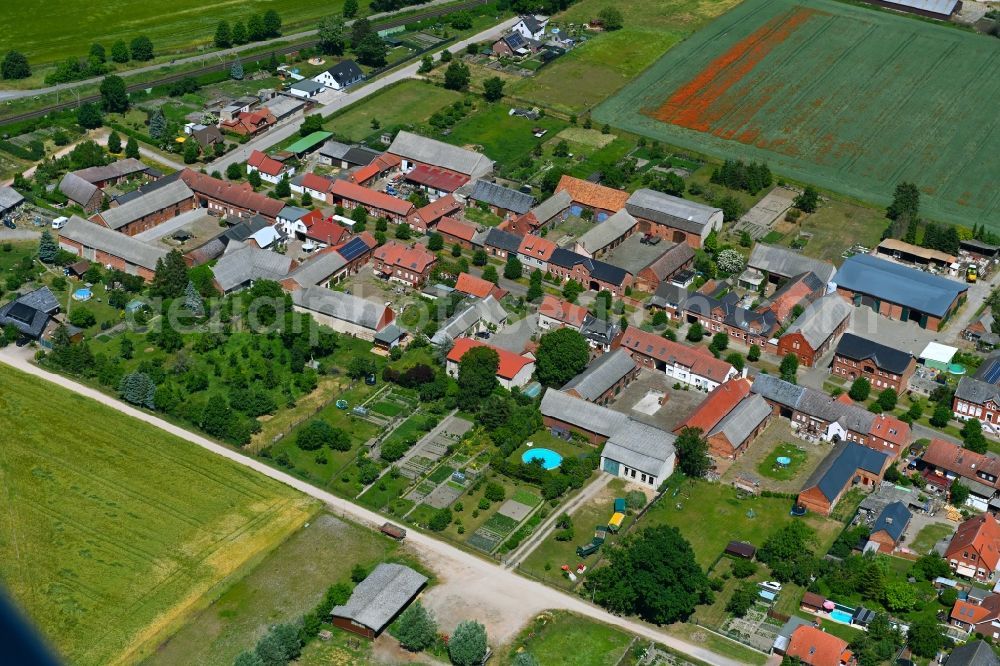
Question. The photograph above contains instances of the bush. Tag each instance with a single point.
(744, 568)
(494, 493)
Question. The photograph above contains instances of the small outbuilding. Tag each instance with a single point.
(741, 549)
(378, 600)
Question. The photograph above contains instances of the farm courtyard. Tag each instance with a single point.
(851, 99)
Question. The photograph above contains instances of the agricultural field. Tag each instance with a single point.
(101, 552)
(406, 104)
(850, 99)
(188, 23)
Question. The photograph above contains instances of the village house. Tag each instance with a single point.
(427, 216)
(316, 186)
(694, 366)
(979, 472)
(148, 211)
(552, 210)
(456, 232)
(399, 263)
(306, 88)
(345, 73)
(849, 465)
(250, 123)
(270, 169)
(889, 526)
(672, 218)
(344, 156)
(230, 200)
(794, 295)
(514, 44)
(377, 204)
(555, 313)
(602, 202)
(974, 550)
(605, 377)
(116, 173)
(978, 396)
(670, 298)
(344, 313)
(815, 647)
(435, 181)
(883, 366)
(500, 243)
(513, 370)
(665, 267)
(474, 316)
(97, 243)
(816, 329)
(332, 265)
(243, 264)
(85, 195)
(380, 167)
(730, 418)
(283, 107)
(981, 330)
(718, 309)
(593, 274)
(899, 292)
(535, 252)
(34, 316)
(599, 333)
(477, 287)
(632, 450)
(499, 200)
(414, 150)
(531, 26)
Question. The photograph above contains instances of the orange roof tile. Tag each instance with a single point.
(537, 247)
(722, 400)
(510, 363)
(981, 533)
(961, 461)
(891, 429)
(478, 287)
(456, 228)
(436, 210)
(564, 311)
(415, 258)
(969, 613)
(816, 647)
(316, 182)
(362, 195)
(698, 359)
(592, 195)
(264, 164)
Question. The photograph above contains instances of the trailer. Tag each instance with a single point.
(394, 531)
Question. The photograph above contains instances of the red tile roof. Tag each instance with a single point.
(537, 247)
(436, 178)
(434, 211)
(264, 164)
(592, 195)
(510, 363)
(478, 287)
(817, 648)
(238, 195)
(698, 359)
(415, 259)
(891, 429)
(564, 311)
(325, 230)
(981, 533)
(379, 165)
(722, 400)
(971, 613)
(316, 182)
(961, 461)
(456, 228)
(364, 196)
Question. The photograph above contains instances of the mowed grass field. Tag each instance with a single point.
(114, 532)
(592, 72)
(848, 98)
(68, 27)
(409, 102)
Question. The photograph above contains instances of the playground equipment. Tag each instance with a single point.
(600, 534)
(341, 404)
(620, 505)
(615, 523)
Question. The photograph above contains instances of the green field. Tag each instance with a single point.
(558, 638)
(408, 103)
(172, 26)
(98, 546)
(851, 99)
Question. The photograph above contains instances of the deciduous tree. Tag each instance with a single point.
(223, 37)
(141, 48)
(562, 354)
(15, 66)
(477, 375)
(417, 628)
(119, 52)
(493, 88)
(468, 644)
(692, 453)
(114, 97)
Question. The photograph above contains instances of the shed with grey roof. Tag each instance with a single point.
(817, 326)
(606, 235)
(414, 149)
(743, 421)
(159, 204)
(243, 264)
(892, 520)
(472, 317)
(640, 453)
(10, 201)
(319, 270)
(604, 377)
(501, 199)
(84, 194)
(563, 411)
(97, 243)
(344, 313)
(849, 464)
(690, 217)
(780, 262)
(553, 207)
(378, 599)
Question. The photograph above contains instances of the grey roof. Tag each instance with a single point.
(76, 188)
(502, 197)
(673, 211)
(244, 229)
(381, 596)
(429, 151)
(334, 149)
(669, 294)
(973, 653)
(605, 233)
(884, 357)
(582, 414)
(339, 305)
(284, 105)
(532, 23)
(241, 265)
(988, 368)
(606, 371)
(552, 206)
(157, 200)
(976, 391)
(318, 268)
(475, 310)
(346, 72)
(360, 155)
(742, 420)
(893, 519)
(601, 331)
(30, 313)
(762, 322)
(943, 7)
(503, 240)
(777, 390)
(389, 334)
(640, 446)
(41, 299)
(116, 169)
(820, 319)
(307, 86)
(920, 291)
(292, 213)
(839, 468)
(146, 188)
(671, 261)
(9, 197)
(787, 263)
(120, 245)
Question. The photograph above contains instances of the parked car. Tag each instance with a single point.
(9, 224)
(772, 585)
(370, 379)
(59, 222)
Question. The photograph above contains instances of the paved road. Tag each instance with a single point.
(282, 132)
(222, 54)
(459, 570)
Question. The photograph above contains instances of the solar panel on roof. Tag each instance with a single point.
(354, 249)
(992, 375)
(22, 313)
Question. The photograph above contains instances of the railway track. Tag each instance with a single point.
(221, 66)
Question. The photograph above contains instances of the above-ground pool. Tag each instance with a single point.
(841, 616)
(82, 294)
(550, 459)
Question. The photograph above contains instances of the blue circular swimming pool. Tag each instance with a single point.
(82, 294)
(550, 459)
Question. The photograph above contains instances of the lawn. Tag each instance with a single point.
(289, 582)
(503, 137)
(558, 637)
(769, 467)
(100, 549)
(411, 102)
(710, 515)
(745, 87)
(928, 536)
(186, 24)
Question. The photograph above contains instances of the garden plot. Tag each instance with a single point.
(444, 495)
(760, 219)
(514, 510)
(492, 533)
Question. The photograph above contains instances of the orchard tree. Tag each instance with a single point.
(730, 261)
(562, 355)
(493, 88)
(887, 399)
(490, 274)
(283, 189)
(959, 493)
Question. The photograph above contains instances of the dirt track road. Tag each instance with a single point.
(469, 587)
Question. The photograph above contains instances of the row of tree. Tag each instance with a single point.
(256, 28)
